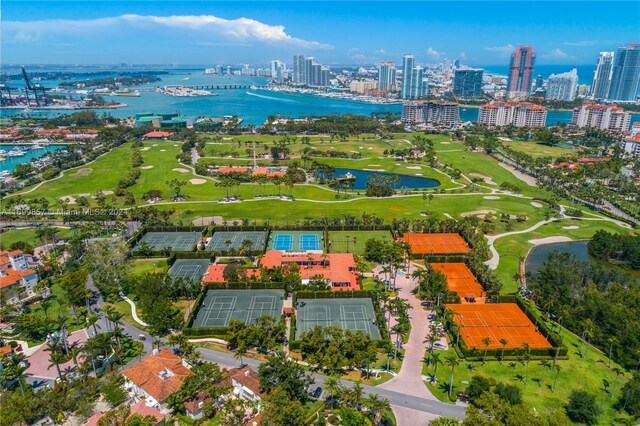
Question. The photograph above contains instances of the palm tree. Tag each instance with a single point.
(545, 365)
(431, 339)
(355, 395)
(92, 321)
(527, 358)
(61, 322)
(241, 351)
(486, 341)
(619, 372)
(74, 352)
(56, 359)
(435, 359)
(587, 332)
(503, 342)
(333, 387)
(377, 406)
(452, 361)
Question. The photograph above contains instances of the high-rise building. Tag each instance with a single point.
(431, 112)
(519, 114)
(603, 117)
(387, 77)
(562, 87)
(467, 84)
(413, 85)
(278, 69)
(299, 75)
(625, 78)
(602, 76)
(521, 72)
(362, 86)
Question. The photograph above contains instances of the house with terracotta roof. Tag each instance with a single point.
(156, 377)
(246, 384)
(215, 273)
(17, 274)
(139, 408)
(338, 269)
(157, 135)
(82, 135)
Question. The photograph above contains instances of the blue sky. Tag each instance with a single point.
(203, 32)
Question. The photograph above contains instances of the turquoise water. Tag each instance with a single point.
(252, 105)
(406, 181)
(539, 254)
(10, 163)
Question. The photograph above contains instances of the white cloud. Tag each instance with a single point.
(244, 29)
(557, 53)
(380, 51)
(433, 53)
(503, 50)
(582, 43)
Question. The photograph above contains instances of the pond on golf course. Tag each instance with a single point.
(539, 254)
(406, 181)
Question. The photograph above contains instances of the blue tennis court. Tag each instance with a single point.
(297, 241)
(283, 242)
(309, 242)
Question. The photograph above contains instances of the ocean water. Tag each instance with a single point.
(253, 106)
(10, 163)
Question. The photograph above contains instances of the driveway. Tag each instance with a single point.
(39, 360)
(409, 379)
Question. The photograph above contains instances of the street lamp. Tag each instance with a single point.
(459, 327)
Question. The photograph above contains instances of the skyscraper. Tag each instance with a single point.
(602, 76)
(278, 69)
(299, 75)
(625, 78)
(521, 72)
(467, 84)
(407, 74)
(562, 87)
(387, 77)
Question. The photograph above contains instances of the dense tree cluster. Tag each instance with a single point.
(341, 125)
(334, 348)
(597, 303)
(267, 333)
(619, 247)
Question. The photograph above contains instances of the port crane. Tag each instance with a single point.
(39, 92)
(5, 95)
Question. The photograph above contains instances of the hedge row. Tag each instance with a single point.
(218, 332)
(308, 294)
(245, 286)
(178, 228)
(189, 255)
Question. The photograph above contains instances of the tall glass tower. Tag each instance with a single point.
(521, 72)
(602, 76)
(625, 77)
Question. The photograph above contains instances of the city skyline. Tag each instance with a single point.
(479, 34)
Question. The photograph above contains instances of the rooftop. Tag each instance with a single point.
(158, 375)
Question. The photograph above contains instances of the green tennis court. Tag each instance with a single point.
(176, 241)
(354, 241)
(193, 269)
(221, 306)
(354, 314)
(297, 241)
(230, 240)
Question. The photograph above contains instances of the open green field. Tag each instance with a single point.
(540, 150)
(575, 374)
(354, 241)
(29, 235)
(156, 265)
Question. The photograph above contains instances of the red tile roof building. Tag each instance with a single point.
(157, 135)
(215, 273)
(603, 117)
(339, 269)
(519, 114)
(17, 273)
(140, 408)
(631, 144)
(156, 376)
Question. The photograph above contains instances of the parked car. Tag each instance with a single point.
(432, 316)
(439, 346)
(317, 393)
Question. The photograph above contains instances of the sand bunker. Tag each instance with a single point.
(525, 178)
(375, 165)
(374, 170)
(491, 197)
(146, 167)
(155, 144)
(83, 172)
(536, 204)
(549, 240)
(103, 193)
(146, 148)
(477, 213)
(418, 174)
(414, 167)
(486, 179)
(571, 227)
(175, 144)
(180, 170)
(445, 143)
(198, 181)
(163, 150)
(68, 199)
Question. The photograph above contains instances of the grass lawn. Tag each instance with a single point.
(575, 374)
(536, 150)
(29, 235)
(125, 309)
(354, 241)
(158, 265)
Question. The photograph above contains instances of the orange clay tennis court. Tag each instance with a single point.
(449, 243)
(496, 321)
(461, 280)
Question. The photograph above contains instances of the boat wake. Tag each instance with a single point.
(270, 97)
